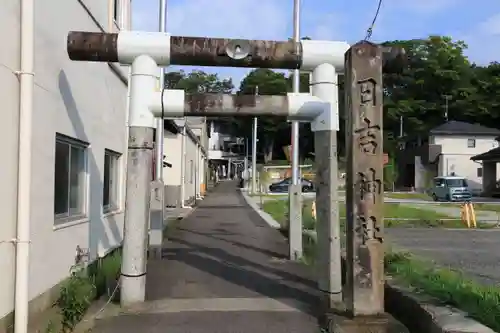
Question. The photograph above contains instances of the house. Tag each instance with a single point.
(450, 149)
(185, 177)
(490, 166)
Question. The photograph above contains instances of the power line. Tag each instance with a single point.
(369, 31)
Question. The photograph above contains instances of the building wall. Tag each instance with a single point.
(190, 176)
(172, 151)
(77, 99)
(456, 156)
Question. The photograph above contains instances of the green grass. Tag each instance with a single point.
(448, 286)
(400, 216)
(409, 195)
(451, 287)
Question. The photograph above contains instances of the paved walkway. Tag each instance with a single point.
(223, 271)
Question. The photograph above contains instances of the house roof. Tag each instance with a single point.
(490, 155)
(454, 127)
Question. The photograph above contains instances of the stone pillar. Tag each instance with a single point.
(364, 288)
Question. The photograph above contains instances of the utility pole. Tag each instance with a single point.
(446, 99)
(157, 215)
(295, 190)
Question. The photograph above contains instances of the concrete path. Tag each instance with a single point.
(223, 271)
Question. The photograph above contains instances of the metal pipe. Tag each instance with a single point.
(294, 191)
(296, 89)
(159, 122)
(254, 156)
(182, 191)
(26, 95)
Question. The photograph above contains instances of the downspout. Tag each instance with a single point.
(126, 24)
(197, 173)
(183, 166)
(26, 84)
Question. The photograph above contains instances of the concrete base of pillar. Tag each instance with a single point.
(336, 323)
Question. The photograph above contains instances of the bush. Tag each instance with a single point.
(85, 285)
(75, 298)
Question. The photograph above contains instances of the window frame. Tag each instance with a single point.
(471, 143)
(114, 190)
(69, 216)
(479, 172)
(115, 8)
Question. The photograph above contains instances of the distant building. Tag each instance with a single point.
(449, 150)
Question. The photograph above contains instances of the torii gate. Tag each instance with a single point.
(362, 63)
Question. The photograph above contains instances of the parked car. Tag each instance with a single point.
(451, 188)
(282, 185)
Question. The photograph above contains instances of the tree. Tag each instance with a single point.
(437, 67)
(201, 82)
(198, 82)
(268, 83)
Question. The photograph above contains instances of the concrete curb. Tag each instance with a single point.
(265, 216)
(417, 311)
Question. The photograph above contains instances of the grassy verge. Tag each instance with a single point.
(480, 207)
(448, 286)
(409, 195)
(397, 216)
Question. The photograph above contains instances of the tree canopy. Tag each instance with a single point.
(438, 76)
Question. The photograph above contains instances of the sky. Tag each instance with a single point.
(476, 22)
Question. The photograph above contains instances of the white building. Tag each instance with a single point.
(78, 147)
(185, 177)
(223, 148)
(451, 147)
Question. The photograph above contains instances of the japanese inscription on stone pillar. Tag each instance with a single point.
(364, 291)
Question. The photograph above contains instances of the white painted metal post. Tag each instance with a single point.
(157, 207)
(295, 190)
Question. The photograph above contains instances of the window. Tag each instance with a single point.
(70, 179)
(110, 182)
(479, 172)
(471, 143)
(438, 182)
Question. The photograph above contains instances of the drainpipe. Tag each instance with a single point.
(26, 84)
(126, 24)
(183, 166)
